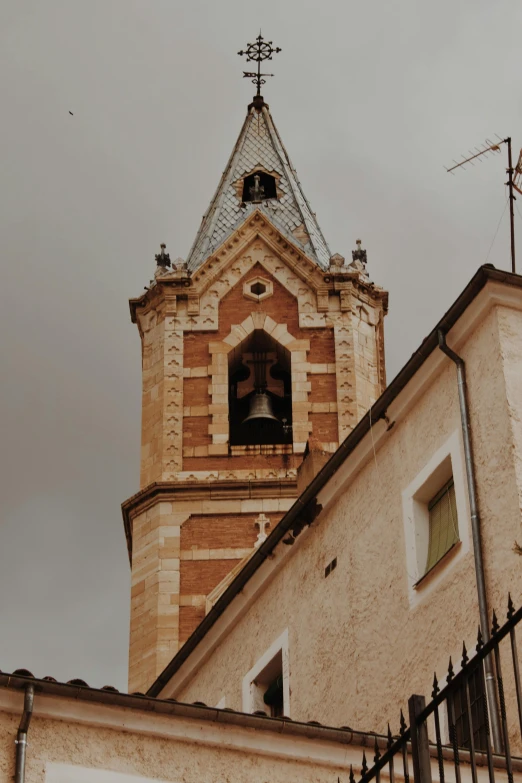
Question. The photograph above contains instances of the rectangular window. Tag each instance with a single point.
(433, 503)
(478, 717)
(266, 687)
(443, 524)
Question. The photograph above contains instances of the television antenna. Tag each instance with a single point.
(514, 177)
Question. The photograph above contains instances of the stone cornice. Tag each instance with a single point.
(184, 285)
(210, 490)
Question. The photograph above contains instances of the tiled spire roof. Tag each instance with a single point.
(259, 144)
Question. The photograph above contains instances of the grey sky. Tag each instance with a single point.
(371, 100)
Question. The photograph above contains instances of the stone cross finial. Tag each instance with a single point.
(359, 254)
(262, 523)
(163, 258)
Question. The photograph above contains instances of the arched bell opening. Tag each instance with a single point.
(260, 392)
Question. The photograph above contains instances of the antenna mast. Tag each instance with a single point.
(490, 146)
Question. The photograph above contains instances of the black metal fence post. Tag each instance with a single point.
(420, 746)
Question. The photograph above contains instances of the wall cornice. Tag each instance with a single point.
(211, 490)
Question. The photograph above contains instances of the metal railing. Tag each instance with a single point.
(454, 728)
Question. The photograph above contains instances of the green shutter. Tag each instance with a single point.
(444, 528)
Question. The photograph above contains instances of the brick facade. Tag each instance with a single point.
(329, 325)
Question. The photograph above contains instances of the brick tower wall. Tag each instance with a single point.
(193, 521)
(322, 392)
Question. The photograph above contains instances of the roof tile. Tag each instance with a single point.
(258, 144)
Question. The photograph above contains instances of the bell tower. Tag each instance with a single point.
(259, 341)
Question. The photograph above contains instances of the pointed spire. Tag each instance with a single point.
(259, 150)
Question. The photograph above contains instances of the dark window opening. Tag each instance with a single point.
(274, 698)
(258, 289)
(478, 716)
(259, 186)
(260, 392)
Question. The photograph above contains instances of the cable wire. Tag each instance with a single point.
(496, 231)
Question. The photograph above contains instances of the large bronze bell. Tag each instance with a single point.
(261, 408)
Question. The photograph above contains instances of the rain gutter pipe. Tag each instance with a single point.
(21, 737)
(477, 539)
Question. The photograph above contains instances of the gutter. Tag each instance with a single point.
(197, 711)
(476, 534)
(110, 697)
(308, 500)
(21, 737)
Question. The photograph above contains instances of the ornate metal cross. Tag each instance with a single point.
(257, 52)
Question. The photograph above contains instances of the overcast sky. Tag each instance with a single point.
(372, 99)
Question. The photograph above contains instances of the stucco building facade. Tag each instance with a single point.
(307, 545)
(377, 622)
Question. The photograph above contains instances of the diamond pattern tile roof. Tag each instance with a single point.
(259, 144)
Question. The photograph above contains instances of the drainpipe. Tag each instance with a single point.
(21, 737)
(477, 540)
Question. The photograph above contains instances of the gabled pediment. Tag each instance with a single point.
(259, 233)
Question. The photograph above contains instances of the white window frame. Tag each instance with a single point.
(446, 462)
(248, 688)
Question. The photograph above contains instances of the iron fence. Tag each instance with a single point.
(454, 729)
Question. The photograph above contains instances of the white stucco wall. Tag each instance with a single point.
(357, 646)
(90, 743)
(77, 741)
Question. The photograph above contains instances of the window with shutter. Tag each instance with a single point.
(443, 522)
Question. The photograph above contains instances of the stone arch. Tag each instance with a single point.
(298, 349)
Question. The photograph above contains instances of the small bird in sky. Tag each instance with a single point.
(72, 115)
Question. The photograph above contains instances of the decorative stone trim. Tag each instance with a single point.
(173, 399)
(264, 287)
(238, 475)
(279, 448)
(343, 341)
(214, 554)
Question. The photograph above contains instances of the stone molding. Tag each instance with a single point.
(257, 226)
(204, 496)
